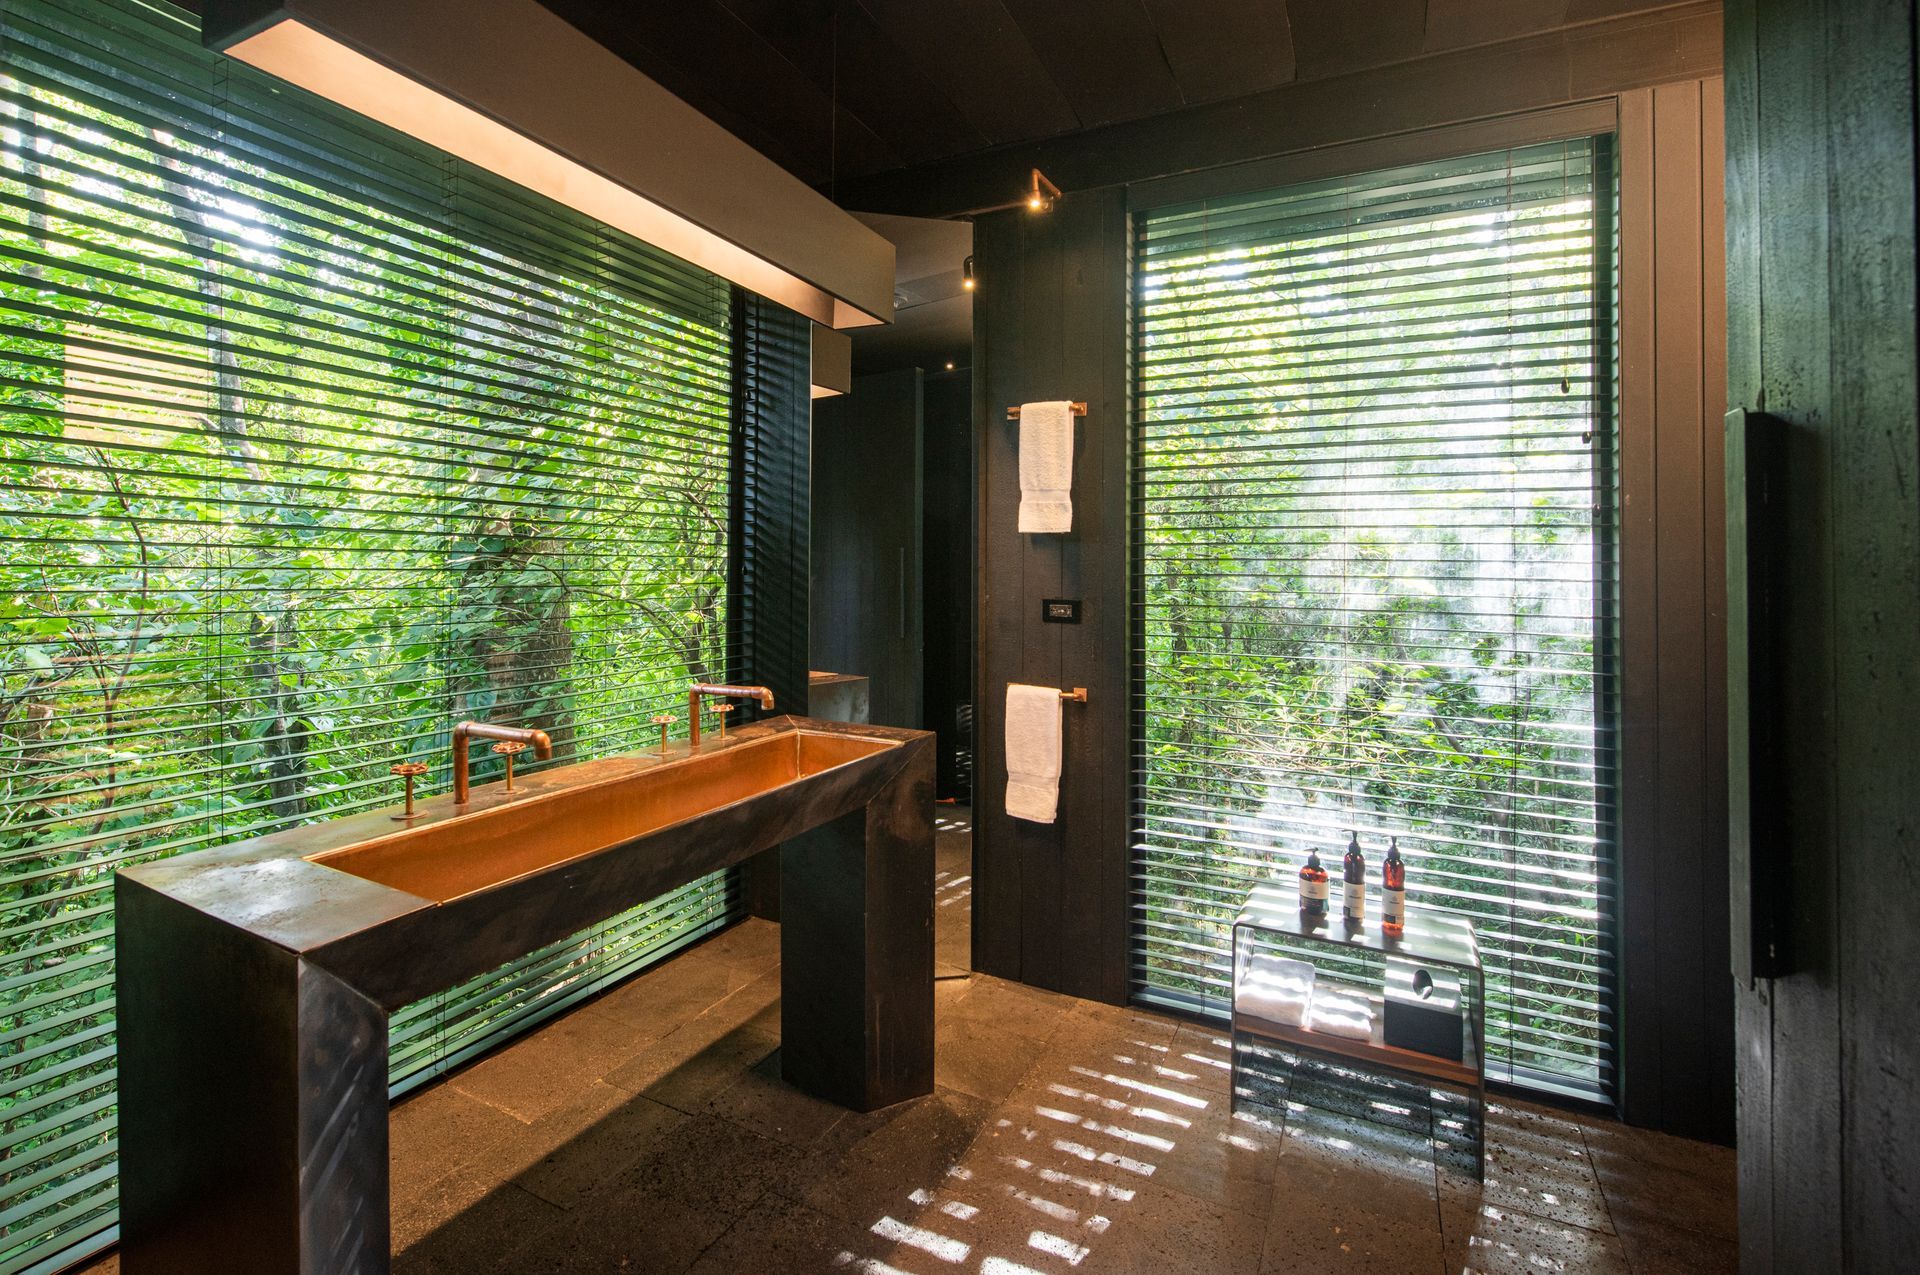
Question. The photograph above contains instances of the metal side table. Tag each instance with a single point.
(1356, 962)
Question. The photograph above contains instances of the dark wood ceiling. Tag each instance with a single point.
(917, 81)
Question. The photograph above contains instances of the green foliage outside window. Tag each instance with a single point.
(312, 443)
(1373, 477)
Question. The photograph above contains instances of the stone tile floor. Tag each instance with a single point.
(648, 1131)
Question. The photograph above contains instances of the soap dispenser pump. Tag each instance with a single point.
(1355, 895)
(1313, 888)
(1393, 890)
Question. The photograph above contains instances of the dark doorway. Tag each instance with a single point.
(867, 471)
(948, 575)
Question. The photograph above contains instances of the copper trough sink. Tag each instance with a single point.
(468, 852)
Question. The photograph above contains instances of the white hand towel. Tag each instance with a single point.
(1341, 1011)
(1033, 752)
(1277, 989)
(1046, 467)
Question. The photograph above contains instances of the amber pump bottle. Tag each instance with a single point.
(1313, 887)
(1356, 884)
(1393, 890)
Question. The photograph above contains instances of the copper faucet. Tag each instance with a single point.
(698, 689)
(542, 748)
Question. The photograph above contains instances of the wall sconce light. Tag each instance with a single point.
(511, 87)
(1040, 197)
(1041, 193)
(967, 281)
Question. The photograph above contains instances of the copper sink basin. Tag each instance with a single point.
(468, 852)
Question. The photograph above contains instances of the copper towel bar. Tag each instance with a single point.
(1079, 409)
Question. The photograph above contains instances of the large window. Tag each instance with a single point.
(1373, 477)
(312, 442)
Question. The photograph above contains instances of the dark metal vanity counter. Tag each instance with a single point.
(255, 980)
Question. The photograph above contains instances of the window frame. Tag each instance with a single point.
(1597, 119)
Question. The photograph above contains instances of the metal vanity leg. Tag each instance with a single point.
(1233, 1069)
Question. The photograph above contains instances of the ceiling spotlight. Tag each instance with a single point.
(967, 281)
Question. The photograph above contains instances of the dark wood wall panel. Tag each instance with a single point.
(1050, 322)
(1677, 1009)
(1876, 609)
(1822, 296)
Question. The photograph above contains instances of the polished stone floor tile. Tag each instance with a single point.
(759, 1100)
(871, 1165)
(623, 1137)
(437, 1130)
(1491, 1240)
(1360, 1169)
(976, 1060)
(521, 1146)
(1307, 1236)
(546, 1068)
(779, 1234)
(661, 999)
(1652, 1181)
(1533, 1181)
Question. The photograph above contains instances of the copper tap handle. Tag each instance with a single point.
(663, 720)
(506, 749)
(407, 770)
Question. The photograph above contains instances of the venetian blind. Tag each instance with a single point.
(1373, 477)
(312, 442)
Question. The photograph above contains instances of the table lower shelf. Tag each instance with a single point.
(1375, 1051)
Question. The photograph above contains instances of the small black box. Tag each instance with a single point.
(1422, 1010)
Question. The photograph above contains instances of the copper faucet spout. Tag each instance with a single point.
(542, 748)
(698, 689)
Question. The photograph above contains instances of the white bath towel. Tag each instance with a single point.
(1276, 988)
(1341, 1011)
(1046, 467)
(1033, 752)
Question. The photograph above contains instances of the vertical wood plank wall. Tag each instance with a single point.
(1051, 904)
(1050, 901)
(1676, 990)
(1821, 169)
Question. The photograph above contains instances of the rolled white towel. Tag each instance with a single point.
(1277, 989)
